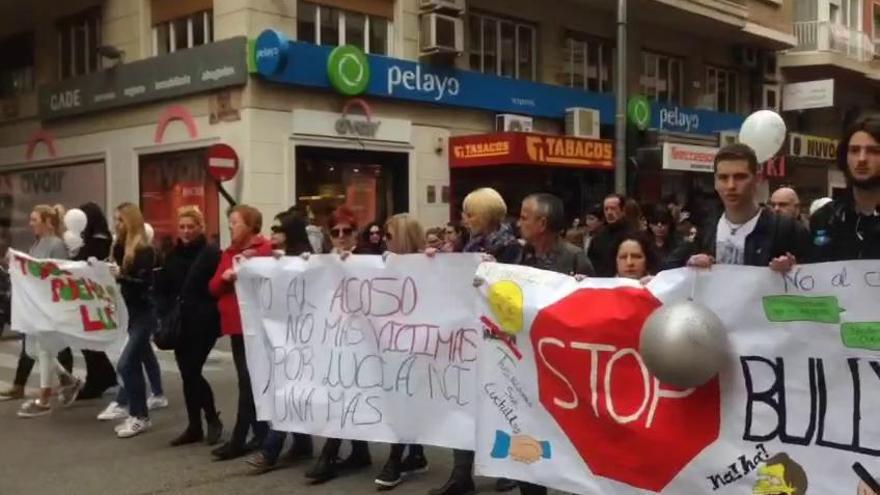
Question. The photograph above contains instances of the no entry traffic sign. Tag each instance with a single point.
(222, 162)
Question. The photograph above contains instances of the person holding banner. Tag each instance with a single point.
(746, 234)
(849, 227)
(134, 260)
(635, 257)
(245, 224)
(342, 234)
(45, 222)
(403, 235)
(96, 237)
(183, 280)
(290, 238)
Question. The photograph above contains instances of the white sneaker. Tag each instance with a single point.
(133, 427)
(113, 412)
(157, 402)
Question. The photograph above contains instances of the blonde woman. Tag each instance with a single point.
(483, 213)
(134, 260)
(184, 280)
(403, 235)
(45, 222)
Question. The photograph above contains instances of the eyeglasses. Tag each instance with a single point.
(341, 232)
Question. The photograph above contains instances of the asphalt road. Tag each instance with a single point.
(71, 453)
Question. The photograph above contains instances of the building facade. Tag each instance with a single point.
(119, 100)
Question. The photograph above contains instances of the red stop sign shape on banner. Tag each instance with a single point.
(222, 162)
(625, 424)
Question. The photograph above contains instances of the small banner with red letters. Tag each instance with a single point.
(66, 303)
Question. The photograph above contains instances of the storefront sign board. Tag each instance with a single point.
(304, 64)
(806, 146)
(351, 125)
(807, 95)
(517, 148)
(688, 157)
(693, 121)
(208, 67)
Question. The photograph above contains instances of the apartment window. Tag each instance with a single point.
(502, 47)
(662, 78)
(588, 65)
(770, 97)
(722, 89)
(183, 32)
(16, 65)
(324, 25)
(78, 39)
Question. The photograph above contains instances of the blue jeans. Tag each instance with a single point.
(154, 375)
(135, 355)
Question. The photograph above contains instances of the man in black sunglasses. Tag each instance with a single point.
(849, 227)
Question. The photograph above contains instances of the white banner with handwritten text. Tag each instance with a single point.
(365, 348)
(566, 401)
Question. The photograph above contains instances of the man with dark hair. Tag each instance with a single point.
(849, 227)
(746, 234)
(602, 245)
(541, 224)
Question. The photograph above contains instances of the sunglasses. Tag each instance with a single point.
(375, 232)
(341, 232)
(276, 229)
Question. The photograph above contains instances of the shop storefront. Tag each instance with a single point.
(392, 150)
(519, 164)
(155, 154)
(810, 166)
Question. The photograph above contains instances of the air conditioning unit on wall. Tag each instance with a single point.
(441, 34)
(508, 122)
(582, 122)
(452, 6)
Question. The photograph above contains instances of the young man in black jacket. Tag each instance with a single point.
(849, 228)
(746, 234)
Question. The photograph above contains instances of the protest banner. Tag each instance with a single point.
(66, 303)
(364, 348)
(566, 401)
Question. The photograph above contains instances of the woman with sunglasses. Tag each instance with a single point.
(670, 248)
(342, 234)
(372, 240)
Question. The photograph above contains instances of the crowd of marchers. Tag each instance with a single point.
(194, 283)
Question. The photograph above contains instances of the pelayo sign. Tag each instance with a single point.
(303, 64)
(204, 68)
(692, 121)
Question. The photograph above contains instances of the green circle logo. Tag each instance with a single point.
(638, 110)
(348, 70)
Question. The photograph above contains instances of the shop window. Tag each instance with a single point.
(502, 47)
(588, 65)
(78, 39)
(22, 190)
(171, 180)
(662, 78)
(722, 89)
(183, 32)
(17, 65)
(373, 184)
(324, 25)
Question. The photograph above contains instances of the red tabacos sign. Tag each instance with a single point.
(517, 148)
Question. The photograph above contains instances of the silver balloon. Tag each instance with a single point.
(684, 344)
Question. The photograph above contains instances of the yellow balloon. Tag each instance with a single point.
(506, 303)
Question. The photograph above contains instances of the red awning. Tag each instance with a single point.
(519, 148)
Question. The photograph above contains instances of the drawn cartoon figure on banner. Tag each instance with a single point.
(780, 475)
(506, 302)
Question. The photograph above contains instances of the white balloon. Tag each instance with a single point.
(72, 240)
(764, 132)
(149, 233)
(75, 220)
(683, 344)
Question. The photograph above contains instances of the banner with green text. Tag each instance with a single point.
(66, 303)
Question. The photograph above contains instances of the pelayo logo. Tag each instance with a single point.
(348, 70)
(270, 52)
(638, 109)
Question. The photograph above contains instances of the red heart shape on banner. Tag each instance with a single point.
(625, 424)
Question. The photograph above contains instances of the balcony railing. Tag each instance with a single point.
(825, 36)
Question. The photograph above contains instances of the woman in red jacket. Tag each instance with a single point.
(245, 223)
